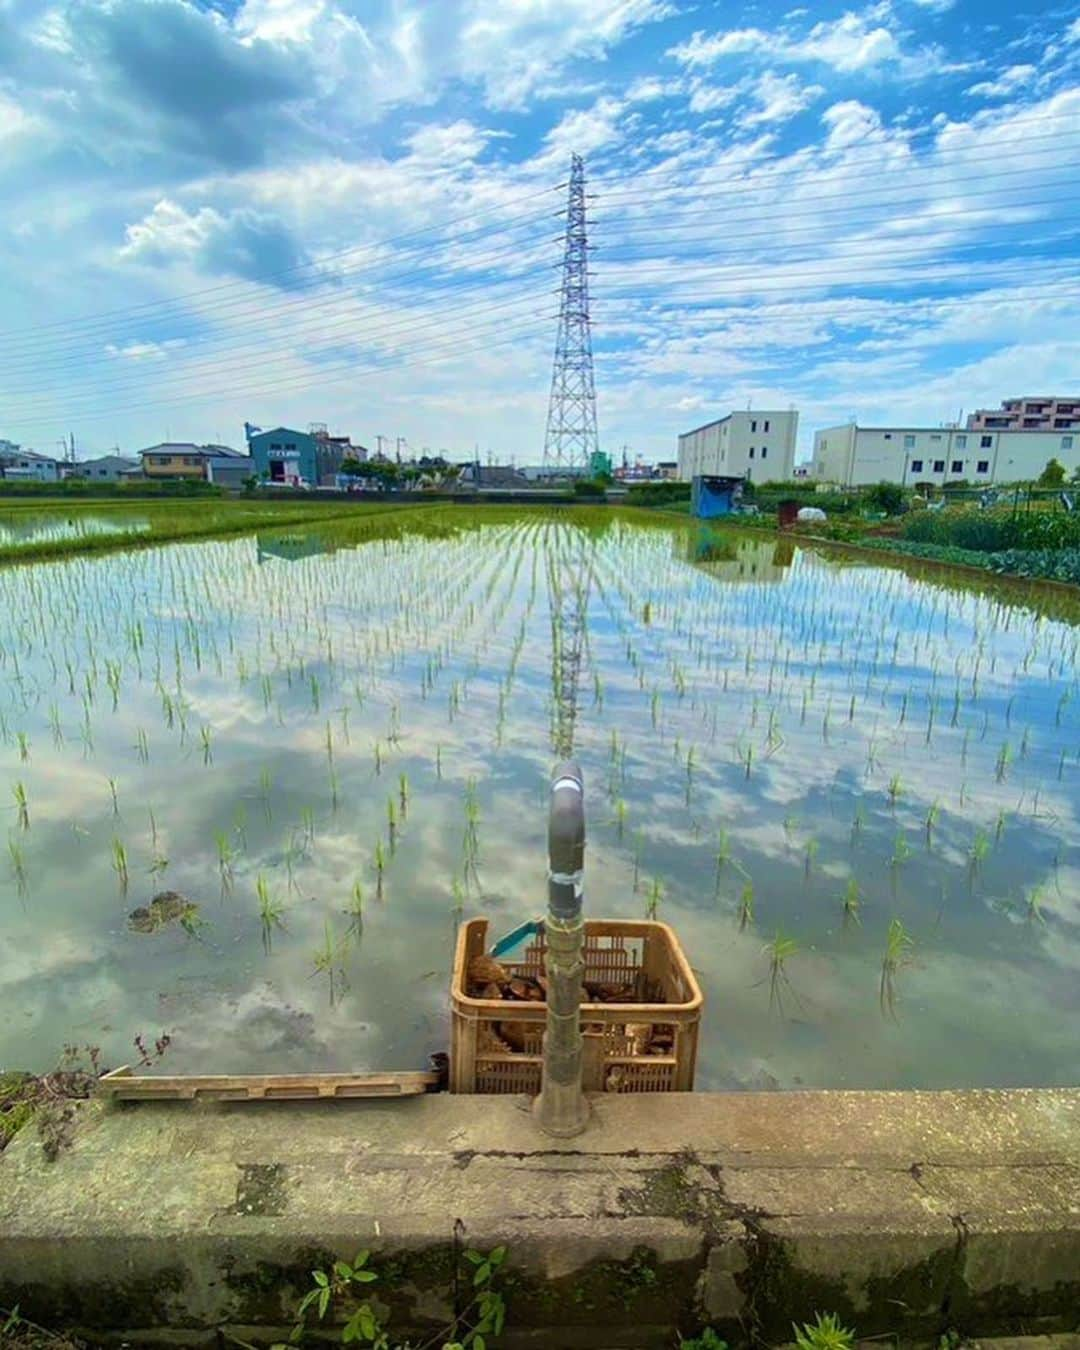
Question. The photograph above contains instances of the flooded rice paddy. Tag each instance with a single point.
(250, 787)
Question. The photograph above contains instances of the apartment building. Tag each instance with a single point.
(1028, 414)
(755, 445)
(855, 456)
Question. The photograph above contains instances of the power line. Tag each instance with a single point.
(317, 319)
(228, 285)
(348, 326)
(741, 185)
(847, 155)
(346, 370)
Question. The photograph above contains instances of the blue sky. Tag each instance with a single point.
(345, 211)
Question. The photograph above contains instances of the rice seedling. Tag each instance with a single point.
(852, 902)
(24, 746)
(654, 899)
(120, 863)
(932, 813)
(380, 868)
(328, 960)
(403, 793)
(619, 819)
(1004, 759)
(22, 808)
(746, 905)
(355, 909)
(979, 850)
(225, 860)
(17, 856)
(895, 790)
(901, 850)
(1033, 907)
(391, 824)
(458, 894)
(779, 951)
(271, 913)
(638, 841)
(898, 947)
(207, 752)
(809, 857)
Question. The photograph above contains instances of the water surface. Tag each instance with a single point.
(222, 718)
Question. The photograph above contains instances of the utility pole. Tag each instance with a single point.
(379, 445)
(400, 442)
(571, 437)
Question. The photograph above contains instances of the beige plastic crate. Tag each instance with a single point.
(643, 953)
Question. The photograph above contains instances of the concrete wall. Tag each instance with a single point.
(755, 445)
(856, 456)
(907, 1214)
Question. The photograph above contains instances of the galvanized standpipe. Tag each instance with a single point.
(561, 1108)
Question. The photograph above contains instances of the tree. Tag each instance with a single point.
(1053, 475)
(353, 467)
(887, 497)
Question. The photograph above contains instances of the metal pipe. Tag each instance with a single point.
(561, 1108)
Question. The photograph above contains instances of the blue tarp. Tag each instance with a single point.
(712, 496)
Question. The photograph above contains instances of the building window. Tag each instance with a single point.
(958, 466)
(753, 426)
(961, 442)
(764, 451)
(1066, 442)
(765, 425)
(916, 466)
(751, 452)
(935, 437)
(909, 442)
(939, 466)
(275, 445)
(191, 461)
(888, 435)
(983, 466)
(985, 442)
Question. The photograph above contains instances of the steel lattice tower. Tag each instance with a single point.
(571, 436)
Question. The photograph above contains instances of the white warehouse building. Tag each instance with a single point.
(855, 456)
(754, 445)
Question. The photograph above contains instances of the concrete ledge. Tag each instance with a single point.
(904, 1212)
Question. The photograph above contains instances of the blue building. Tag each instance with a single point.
(283, 455)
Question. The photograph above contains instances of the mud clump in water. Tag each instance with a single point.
(167, 907)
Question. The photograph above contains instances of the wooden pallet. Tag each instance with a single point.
(124, 1085)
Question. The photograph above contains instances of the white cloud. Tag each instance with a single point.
(1009, 82)
(850, 122)
(709, 97)
(779, 97)
(13, 120)
(855, 42)
(454, 143)
(583, 131)
(143, 351)
(1072, 33)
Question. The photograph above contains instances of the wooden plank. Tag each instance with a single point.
(122, 1085)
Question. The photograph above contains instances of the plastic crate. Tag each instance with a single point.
(617, 1036)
